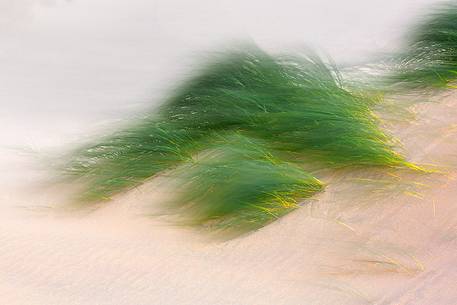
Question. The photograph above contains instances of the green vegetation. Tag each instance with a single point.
(238, 183)
(430, 61)
(293, 107)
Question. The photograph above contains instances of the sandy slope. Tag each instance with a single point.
(357, 244)
(66, 68)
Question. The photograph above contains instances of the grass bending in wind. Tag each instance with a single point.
(430, 61)
(238, 183)
(297, 106)
(129, 157)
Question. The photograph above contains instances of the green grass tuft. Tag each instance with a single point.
(129, 157)
(430, 61)
(239, 184)
(296, 106)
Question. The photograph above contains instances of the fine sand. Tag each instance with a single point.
(80, 65)
(360, 242)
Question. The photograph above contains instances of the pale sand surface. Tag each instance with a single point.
(351, 246)
(358, 243)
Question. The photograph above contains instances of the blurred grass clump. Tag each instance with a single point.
(430, 59)
(297, 107)
(239, 183)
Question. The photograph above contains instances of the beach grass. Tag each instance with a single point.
(239, 184)
(430, 58)
(296, 106)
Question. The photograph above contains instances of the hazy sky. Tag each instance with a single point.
(93, 56)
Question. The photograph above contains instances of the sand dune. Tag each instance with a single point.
(351, 246)
(359, 242)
